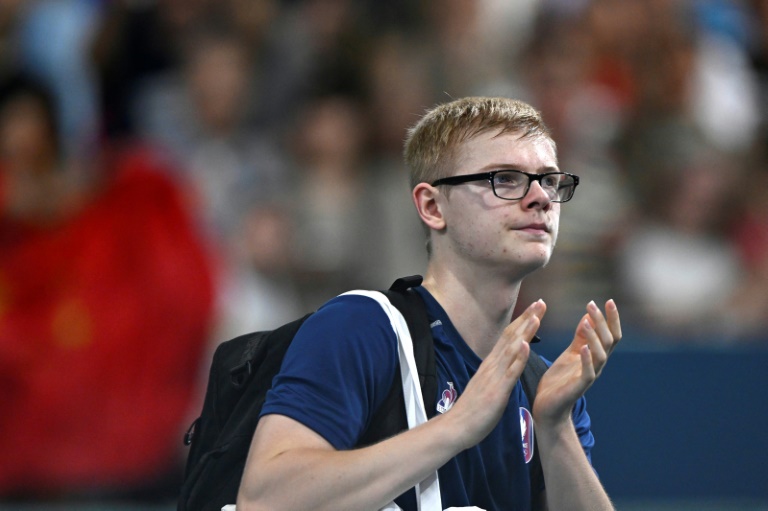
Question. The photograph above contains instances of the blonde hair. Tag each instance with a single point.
(431, 142)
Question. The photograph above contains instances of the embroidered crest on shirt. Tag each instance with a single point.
(526, 430)
(449, 397)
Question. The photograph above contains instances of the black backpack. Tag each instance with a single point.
(241, 373)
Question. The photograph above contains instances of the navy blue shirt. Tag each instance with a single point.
(340, 367)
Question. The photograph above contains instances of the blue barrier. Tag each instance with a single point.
(680, 423)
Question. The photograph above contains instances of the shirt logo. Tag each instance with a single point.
(449, 397)
(526, 430)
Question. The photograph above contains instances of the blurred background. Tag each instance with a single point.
(174, 173)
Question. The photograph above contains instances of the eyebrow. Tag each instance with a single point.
(517, 166)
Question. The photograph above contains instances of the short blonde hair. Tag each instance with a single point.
(431, 142)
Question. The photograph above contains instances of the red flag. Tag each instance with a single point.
(103, 321)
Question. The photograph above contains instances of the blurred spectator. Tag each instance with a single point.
(757, 46)
(262, 288)
(204, 116)
(723, 83)
(319, 47)
(747, 317)
(470, 44)
(139, 41)
(399, 91)
(678, 267)
(54, 38)
(134, 42)
(105, 309)
(331, 203)
(10, 11)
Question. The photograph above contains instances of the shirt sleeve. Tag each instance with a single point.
(337, 371)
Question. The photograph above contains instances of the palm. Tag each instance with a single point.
(560, 386)
(579, 365)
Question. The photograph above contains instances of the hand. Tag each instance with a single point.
(578, 366)
(483, 402)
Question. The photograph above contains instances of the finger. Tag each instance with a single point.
(504, 365)
(510, 345)
(537, 308)
(600, 325)
(588, 373)
(614, 322)
(516, 368)
(596, 349)
(520, 325)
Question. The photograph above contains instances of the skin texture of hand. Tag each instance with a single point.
(486, 397)
(571, 483)
(578, 366)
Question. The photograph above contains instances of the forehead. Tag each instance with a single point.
(494, 149)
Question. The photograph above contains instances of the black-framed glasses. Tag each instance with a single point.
(514, 184)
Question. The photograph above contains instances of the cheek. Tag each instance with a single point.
(554, 221)
(555, 232)
(473, 236)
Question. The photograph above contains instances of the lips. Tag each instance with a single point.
(534, 227)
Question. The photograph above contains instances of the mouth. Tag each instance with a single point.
(534, 228)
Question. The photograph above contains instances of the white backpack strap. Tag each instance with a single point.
(428, 490)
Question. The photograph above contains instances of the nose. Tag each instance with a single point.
(536, 197)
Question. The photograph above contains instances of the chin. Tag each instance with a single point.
(545, 257)
(538, 253)
(523, 266)
(535, 262)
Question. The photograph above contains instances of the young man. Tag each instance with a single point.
(487, 187)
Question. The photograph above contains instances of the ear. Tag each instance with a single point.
(425, 197)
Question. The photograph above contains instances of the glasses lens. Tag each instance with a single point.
(510, 184)
(564, 188)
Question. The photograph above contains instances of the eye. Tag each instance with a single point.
(550, 181)
(509, 179)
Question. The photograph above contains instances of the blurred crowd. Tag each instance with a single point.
(177, 172)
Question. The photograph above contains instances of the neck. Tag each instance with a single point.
(480, 304)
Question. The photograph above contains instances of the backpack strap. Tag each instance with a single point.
(412, 307)
(427, 491)
(390, 418)
(534, 370)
